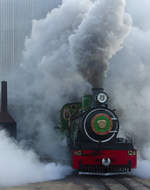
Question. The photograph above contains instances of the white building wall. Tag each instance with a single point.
(16, 23)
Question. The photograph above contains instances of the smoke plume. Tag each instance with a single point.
(66, 53)
(129, 78)
(55, 54)
(98, 38)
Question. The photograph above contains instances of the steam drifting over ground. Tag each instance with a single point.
(68, 52)
(19, 166)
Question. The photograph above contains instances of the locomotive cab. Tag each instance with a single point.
(92, 128)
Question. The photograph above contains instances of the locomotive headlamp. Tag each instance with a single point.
(102, 97)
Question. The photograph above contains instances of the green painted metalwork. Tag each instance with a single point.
(86, 102)
(68, 113)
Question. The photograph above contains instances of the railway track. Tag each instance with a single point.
(126, 182)
(89, 183)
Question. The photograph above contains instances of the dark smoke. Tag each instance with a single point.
(98, 38)
(93, 65)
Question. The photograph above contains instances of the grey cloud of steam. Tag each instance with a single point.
(98, 38)
(19, 166)
(139, 11)
(46, 78)
(51, 71)
(130, 80)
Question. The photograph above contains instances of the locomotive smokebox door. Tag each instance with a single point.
(6, 120)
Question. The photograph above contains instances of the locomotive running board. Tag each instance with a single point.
(104, 174)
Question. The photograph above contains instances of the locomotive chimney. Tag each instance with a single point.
(3, 96)
(96, 91)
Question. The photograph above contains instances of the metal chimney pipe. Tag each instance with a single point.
(96, 91)
(3, 96)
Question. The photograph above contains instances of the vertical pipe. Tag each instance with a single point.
(3, 96)
(96, 91)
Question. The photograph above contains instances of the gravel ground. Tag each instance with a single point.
(89, 183)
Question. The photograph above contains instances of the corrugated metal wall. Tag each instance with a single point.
(15, 21)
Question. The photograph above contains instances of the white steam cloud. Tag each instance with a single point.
(129, 78)
(19, 166)
(67, 53)
(50, 73)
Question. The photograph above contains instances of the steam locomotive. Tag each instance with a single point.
(91, 129)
